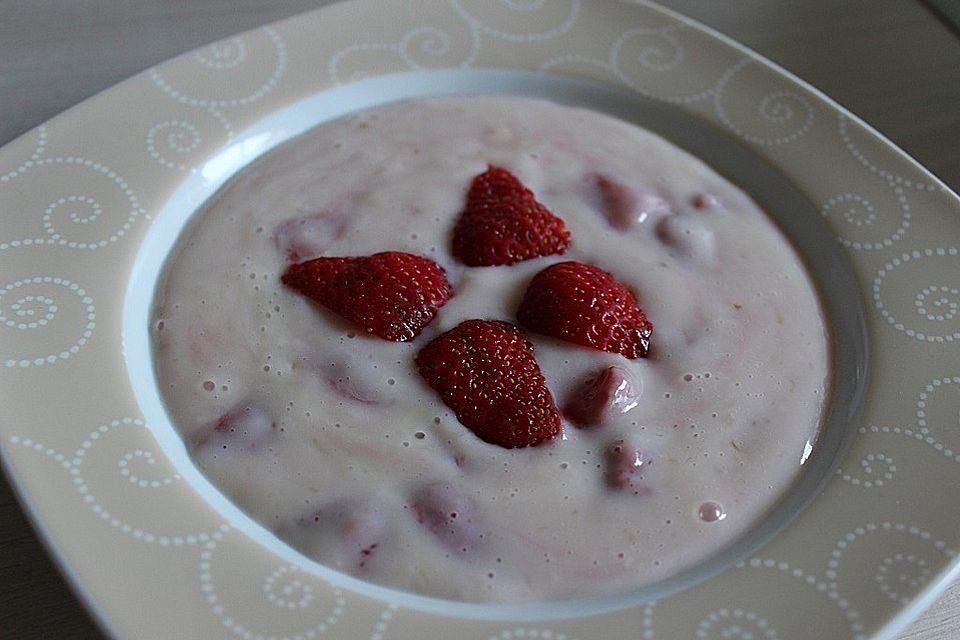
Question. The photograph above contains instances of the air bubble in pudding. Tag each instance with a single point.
(711, 512)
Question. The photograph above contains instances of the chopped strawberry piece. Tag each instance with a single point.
(626, 465)
(307, 237)
(450, 516)
(345, 533)
(393, 295)
(485, 371)
(242, 428)
(503, 223)
(584, 304)
(355, 388)
(704, 201)
(617, 201)
(624, 206)
(613, 390)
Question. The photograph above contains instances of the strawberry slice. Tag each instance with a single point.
(618, 202)
(627, 464)
(309, 236)
(347, 533)
(451, 517)
(609, 392)
(486, 372)
(393, 295)
(502, 223)
(244, 428)
(584, 304)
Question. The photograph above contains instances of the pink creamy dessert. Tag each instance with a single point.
(330, 438)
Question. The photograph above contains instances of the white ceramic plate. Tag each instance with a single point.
(92, 200)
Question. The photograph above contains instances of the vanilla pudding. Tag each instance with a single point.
(330, 438)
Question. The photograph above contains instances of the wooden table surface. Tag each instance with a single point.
(892, 62)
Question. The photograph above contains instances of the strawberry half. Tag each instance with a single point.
(393, 295)
(502, 223)
(584, 304)
(486, 372)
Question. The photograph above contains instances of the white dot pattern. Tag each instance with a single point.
(878, 468)
(28, 306)
(423, 41)
(900, 323)
(857, 213)
(569, 20)
(775, 107)
(663, 53)
(855, 151)
(74, 467)
(902, 575)
(145, 457)
(178, 137)
(82, 209)
(383, 622)
(286, 592)
(844, 544)
(223, 55)
(735, 624)
(298, 596)
(280, 49)
(825, 587)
